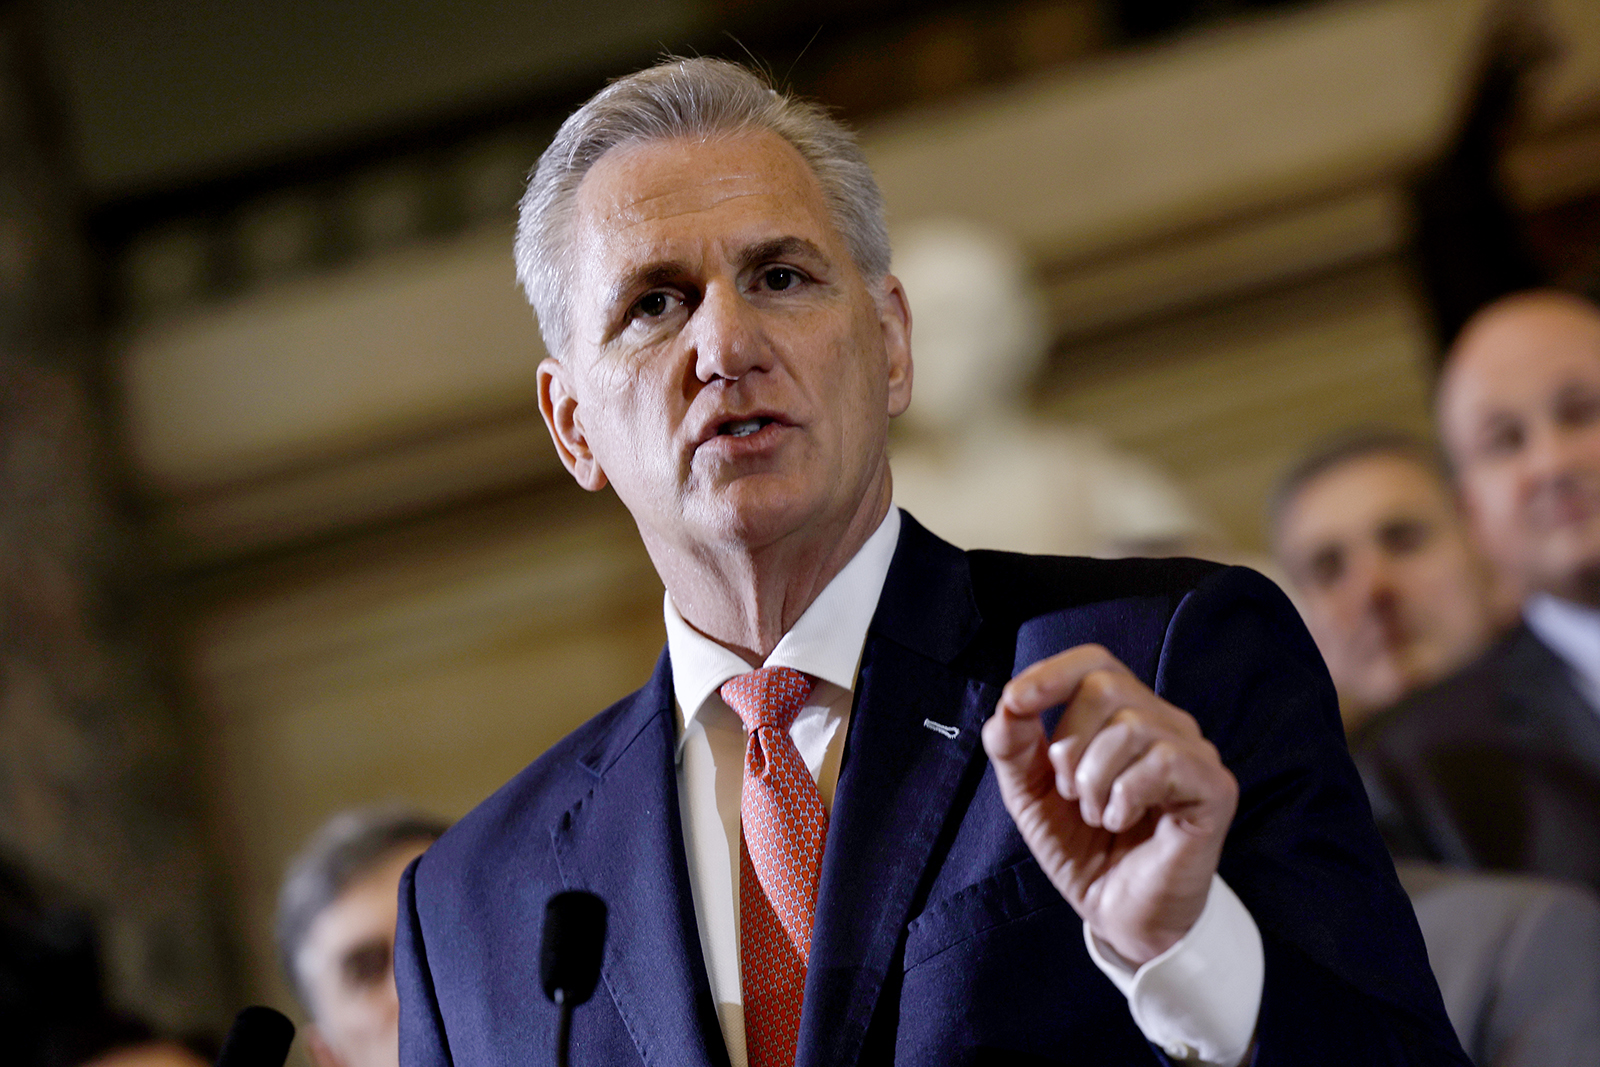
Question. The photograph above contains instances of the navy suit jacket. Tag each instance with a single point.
(938, 939)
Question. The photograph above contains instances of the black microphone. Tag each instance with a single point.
(569, 955)
(259, 1037)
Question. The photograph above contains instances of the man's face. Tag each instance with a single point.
(1391, 590)
(730, 373)
(1519, 410)
(346, 965)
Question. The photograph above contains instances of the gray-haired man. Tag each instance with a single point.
(335, 930)
(882, 800)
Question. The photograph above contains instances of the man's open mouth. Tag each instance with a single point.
(743, 427)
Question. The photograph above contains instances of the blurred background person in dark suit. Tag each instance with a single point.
(1498, 766)
(336, 920)
(1397, 597)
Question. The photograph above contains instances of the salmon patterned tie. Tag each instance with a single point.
(780, 861)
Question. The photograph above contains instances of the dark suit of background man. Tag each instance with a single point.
(1499, 766)
(1367, 528)
(708, 263)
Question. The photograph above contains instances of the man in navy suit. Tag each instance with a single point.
(1075, 811)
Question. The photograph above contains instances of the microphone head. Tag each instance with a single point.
(259, 1037)
(569, 955)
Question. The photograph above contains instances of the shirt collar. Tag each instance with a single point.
(1571, 630)
(825, 642)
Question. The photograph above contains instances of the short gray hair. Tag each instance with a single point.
(348, 845)
(1348, 446)
(682, 98)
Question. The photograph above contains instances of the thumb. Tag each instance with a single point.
(1018, 751)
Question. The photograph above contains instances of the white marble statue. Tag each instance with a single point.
(969, 461)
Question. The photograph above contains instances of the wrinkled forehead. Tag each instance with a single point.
(706, 189)
(1517, 358)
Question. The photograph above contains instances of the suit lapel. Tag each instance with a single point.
(624, 841)
(913, 736)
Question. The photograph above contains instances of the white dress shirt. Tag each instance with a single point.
(1572, 632)
(1198, 1000)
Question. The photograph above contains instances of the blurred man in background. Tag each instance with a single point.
(1396, 597)
(1499, 765)
(336, 920)
(1367, 529)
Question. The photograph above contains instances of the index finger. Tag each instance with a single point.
(1014, 733)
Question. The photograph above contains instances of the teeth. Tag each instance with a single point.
(743, 428)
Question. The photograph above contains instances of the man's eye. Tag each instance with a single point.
(1404, 536)
(651, 305)
(1501, 439)
(367, 965)
(1576, 408)
(1326, 568)
(780, 278)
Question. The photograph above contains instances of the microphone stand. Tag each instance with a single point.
(563, 1027)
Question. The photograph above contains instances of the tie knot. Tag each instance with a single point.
(772, 696)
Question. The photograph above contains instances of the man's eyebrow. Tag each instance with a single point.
(665, 272)
(779, 248)
(646, 276)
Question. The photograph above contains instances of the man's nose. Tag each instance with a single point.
(1557, 451)
(728, 340)
(1374, 581)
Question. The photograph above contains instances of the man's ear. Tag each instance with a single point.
(322, 1053)
(559, 406)
(894, 316)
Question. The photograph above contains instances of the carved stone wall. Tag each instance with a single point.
(95, 792)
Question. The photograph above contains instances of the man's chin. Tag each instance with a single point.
(1376, 679)
(1564, 561)
(1577, 578)
(1379, 693)
(754, 514)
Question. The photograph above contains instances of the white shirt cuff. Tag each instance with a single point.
(1199, 999)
